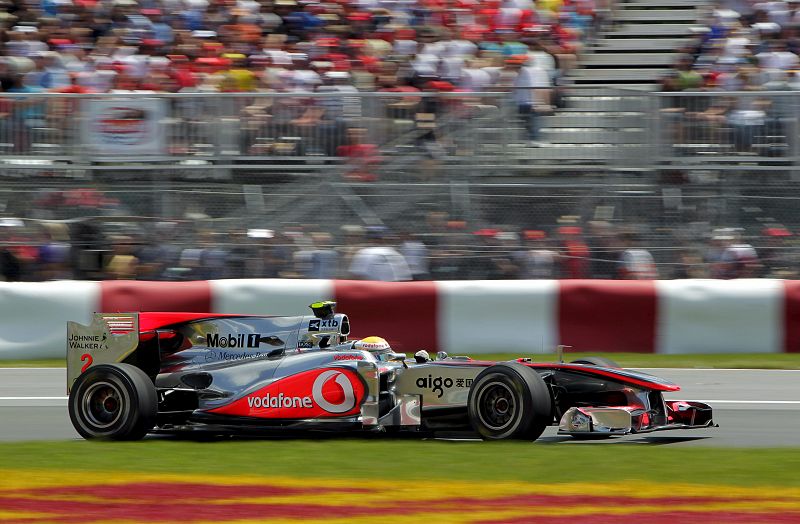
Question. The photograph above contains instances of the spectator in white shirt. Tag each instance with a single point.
(635, 262)
(416, 255)
(379, 261)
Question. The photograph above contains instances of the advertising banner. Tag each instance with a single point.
(124, 126)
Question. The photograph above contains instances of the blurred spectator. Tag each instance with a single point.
(362, 156)
(274, 255)
(635, 263)
(779, 259)
(683, 77)
(379, 261)
(690, 265)
(506, 259)
(484, 252)
(353, 241)
(416, 255)
(604, 250)
(574, 253)
(739, 259)
(730, 257)
(54, 253)
(319, 260)
(538, 261)
(10, 266)
(123, 264)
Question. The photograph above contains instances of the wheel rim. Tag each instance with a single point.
(497, 407)
(103, 404)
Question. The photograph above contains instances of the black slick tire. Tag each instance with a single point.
(509, 401)
(596, 361)
(113, 401)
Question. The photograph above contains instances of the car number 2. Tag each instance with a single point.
(88, 358)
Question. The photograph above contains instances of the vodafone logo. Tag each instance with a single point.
(331, 398)
(317, 393)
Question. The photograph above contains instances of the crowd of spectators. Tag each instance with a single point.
(325, 46)
(747, 46)
(245, 45)
(442, 249)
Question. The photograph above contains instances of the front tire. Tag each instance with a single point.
(113, 401)
(509, 401)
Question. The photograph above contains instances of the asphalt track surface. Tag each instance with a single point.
(752, 408)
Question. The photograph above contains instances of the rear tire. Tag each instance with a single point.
(596, 361)
(509, 401)
(113, 401)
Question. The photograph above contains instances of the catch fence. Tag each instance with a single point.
(470, 229)
(255, 174)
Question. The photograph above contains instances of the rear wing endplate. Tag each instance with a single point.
(109, 338)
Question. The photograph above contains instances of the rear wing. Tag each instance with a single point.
(109, 338)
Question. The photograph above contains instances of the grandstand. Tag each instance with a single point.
(249, 132)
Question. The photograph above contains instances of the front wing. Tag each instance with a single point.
(624, 420)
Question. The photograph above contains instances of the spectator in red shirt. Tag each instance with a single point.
(574, 253)
(361, 156)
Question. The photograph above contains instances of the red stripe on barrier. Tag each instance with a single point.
(607, 315)
(132, 295)
(791, 316)
(404, 313)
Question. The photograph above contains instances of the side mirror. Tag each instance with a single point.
(398, 357)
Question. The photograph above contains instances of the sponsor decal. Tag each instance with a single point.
(310, 394)
(348, 357)
(87, 342)
(229, 356)
(346, 402)
(233, 341)
(371, 345)
(317, 324)
(279, 401)
(439, 384)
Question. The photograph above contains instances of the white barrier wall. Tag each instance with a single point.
(498, 316)
(526, 316)
(720, 316)
(34, 315)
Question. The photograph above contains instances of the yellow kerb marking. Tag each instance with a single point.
(441, 494)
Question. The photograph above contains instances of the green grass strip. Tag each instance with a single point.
(43, 363)
(407, 460)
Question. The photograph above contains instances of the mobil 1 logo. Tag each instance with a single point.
(317, 324)
(233, 341)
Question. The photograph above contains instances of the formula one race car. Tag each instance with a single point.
(134, 373)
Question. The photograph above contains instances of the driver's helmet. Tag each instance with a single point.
(373, 344)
